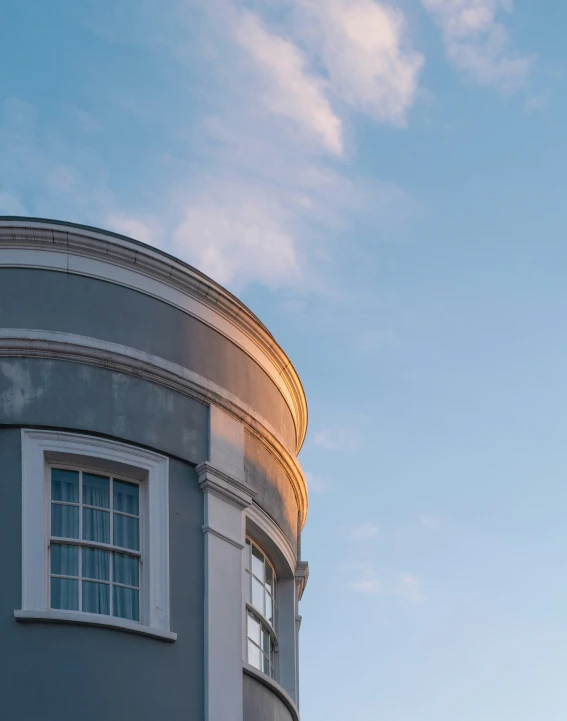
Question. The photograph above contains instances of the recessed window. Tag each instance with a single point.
(260, 596)
(95, 531)
(94, 547)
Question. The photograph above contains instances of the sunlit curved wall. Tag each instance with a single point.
(105, 338)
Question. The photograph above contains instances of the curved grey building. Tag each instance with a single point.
(151, 502)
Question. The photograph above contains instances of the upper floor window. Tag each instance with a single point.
(94, 546)
(260, 618)
(95, 526)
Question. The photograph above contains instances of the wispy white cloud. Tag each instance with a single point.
(341, 440)
(364, 532)
(278, 193)
(289, 89)
(147, 230)
(239, 232)
(405, 586)
(366, 50)
(478, 44)
(317, 483)
(537, 102)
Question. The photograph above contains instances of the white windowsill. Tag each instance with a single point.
(274, 686)
(92, 619)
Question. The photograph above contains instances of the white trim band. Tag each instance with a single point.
(93, 619)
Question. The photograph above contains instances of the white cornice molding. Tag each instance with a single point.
(220, 484)
(112, 356)
(301, 577)
(117, 259)
(258, 516)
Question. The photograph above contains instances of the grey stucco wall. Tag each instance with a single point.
(59, 672)
(39, 392)
(274, 492)
(58, 301)
(261, 704)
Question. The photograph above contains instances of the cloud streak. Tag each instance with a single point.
(364, 532)
(478, 44)
(279, 193)
(288, 89)
(365, 48)
(406, 586)
(341, 440)
(316, 483)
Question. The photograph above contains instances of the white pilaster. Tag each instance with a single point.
(226, 496)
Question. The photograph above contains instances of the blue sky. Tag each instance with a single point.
(383, 184)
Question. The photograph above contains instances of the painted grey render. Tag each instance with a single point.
(49, 300)
(59, 672)
(260, 703)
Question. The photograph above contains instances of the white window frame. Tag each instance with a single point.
(43, 449)
(267, 627)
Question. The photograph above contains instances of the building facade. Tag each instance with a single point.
(151, 502)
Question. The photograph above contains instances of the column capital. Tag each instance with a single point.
(229, 489)
(301, 577)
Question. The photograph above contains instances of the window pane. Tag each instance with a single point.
(65, 594)
(126, 497)
(269, 578)
(267, 669)
(257, 563)
(96, 565)
(64, 560)
(64, 485)
(254, 629)
(126, 603)
(64, 521)
(96, 525)
(258, 595)
(254, 656)
(247, 582)
(126, 569)
(269, 609)
(126, 532)
(96, 490)
(96, 597)
(266, 642)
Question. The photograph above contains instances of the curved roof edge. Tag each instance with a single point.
(64, 236)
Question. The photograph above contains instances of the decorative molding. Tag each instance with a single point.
(301, 577)
(223, 537)
(258, 516)
(37, 445)
(220, 484)
(82, 250)
(92, 619)
(274, 688)
(122, 359)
